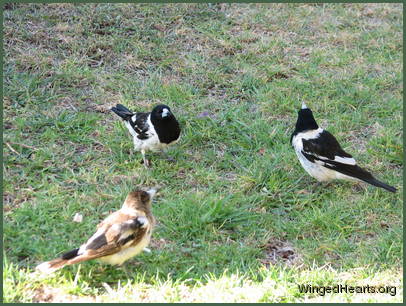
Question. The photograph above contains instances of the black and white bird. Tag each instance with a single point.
(322, 156)
(150, 131)
(122, 235)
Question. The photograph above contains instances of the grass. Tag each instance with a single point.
(239, 220)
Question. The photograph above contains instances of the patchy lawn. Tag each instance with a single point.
(239, 220)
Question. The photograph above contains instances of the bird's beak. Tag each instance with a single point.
(165, 112)
(304, 106)
(153, 191)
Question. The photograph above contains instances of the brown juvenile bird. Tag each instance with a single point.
(120, 236)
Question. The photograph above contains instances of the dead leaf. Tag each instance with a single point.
(202, 115)
(302, 191)
(78, 218)
(159, 27)
(261, 151)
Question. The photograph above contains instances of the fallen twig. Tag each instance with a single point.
(21, 145)
(11, 148)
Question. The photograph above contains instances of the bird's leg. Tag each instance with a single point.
(126, 271)
(123, 267)
(132, 151)
(144, 159)
(328, 184)
(359, 186)
(322, 185)
(316, 186)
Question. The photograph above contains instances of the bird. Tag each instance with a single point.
(122, 235)
(321, 155)
(152, 131)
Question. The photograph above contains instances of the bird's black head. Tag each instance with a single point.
(305, 120)
(165, 124)
(161, 112)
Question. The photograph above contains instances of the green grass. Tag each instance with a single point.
(236, 200)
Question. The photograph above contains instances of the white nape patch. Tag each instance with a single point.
(165, 112)
(311, 134)
(134, 118)
(297, 139)
(304, 106)
(129, 211)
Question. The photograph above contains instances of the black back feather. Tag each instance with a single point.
(141, 125)
(122, 111)
(97, 243)
(70, 254)
(325, 145)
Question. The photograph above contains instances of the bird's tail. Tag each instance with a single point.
(68, 258)
(122, 111)
(49, 267)
(358, 173)
(380, 184)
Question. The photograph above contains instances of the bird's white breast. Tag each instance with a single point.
(152, 143)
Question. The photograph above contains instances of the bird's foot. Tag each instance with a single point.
(146, 163)
(320, 185)
(326, 184)
(359, 187)
(317, 184)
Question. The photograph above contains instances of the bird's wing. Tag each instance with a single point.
(114, 234)
(140, 125)
(326, 151)
(325, 148)
(122, 111)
